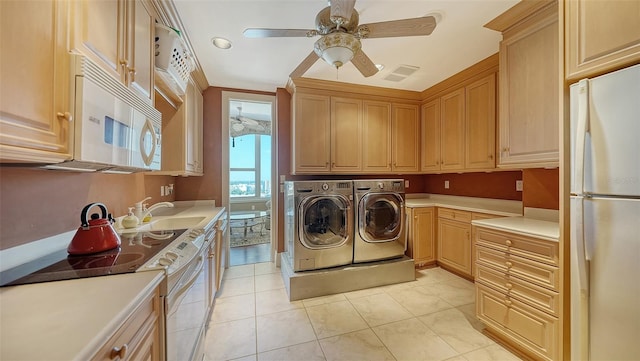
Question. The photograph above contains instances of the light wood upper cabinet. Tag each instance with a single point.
(117, 35)
(458, 129)
(452, 128)
(346, 134)
(35, 111)
(480, 110)
(529, 87)
(311, 132)
(405, 132)
(430, 130)
(182, 135)
(376, 130)
(421, 244)
(601, 36)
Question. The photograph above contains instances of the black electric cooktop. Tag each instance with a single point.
(135, 250)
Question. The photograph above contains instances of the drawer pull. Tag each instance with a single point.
(507, 303)
(508, 243)
(508, 286)
(119, 352)
(508, 264)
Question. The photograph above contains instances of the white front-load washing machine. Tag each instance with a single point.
(380, 220)
(318, 224)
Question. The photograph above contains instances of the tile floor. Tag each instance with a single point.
(431, 318)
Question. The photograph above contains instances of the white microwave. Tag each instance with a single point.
(115, 130)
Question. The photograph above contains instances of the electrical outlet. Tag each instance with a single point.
(406, 184)
(169, 190)
(519, 185)
(162, 191)
(446, 184)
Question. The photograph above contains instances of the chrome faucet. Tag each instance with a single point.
(142, 213)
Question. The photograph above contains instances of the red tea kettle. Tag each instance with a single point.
(94, 235)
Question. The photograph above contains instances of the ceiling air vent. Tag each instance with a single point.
(401, 73)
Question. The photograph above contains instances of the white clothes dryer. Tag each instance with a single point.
(319, 224)
(380, 220)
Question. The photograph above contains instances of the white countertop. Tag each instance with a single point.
(525, 226)
(68, 320)
(499, 207)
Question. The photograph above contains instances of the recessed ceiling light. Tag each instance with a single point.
(221, 43)
(380, 67)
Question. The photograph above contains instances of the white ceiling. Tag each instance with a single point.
(459, 40)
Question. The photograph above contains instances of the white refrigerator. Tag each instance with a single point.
(605, 217)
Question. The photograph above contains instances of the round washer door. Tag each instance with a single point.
(324, 221)
(380, 217)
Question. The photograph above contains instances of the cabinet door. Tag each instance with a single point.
(405, 134)
(452, 130)
(34, 91)
(141, 30)
(454, 245)
(98, 27)
(480, 108)
(422, 236)
(601, 36)
(193, 119)
(529, 76)
(376, 137)
(346, 134)
(430, 143)
(311, 133)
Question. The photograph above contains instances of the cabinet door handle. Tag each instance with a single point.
(66, 116)
(119, 352)
(132, 74)
(490, 156)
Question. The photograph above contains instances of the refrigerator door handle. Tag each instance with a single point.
(581, 133)
(577, 228)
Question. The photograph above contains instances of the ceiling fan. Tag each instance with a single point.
(340, 36)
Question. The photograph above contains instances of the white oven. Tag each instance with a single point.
(114, 129)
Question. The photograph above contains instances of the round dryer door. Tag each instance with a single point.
(380, 217)
(324, 221)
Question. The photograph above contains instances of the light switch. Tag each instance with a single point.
(406, 184)
(446, 184)
(519, 185)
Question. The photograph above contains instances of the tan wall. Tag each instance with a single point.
(498, 185)
(36, 203)
(541, 188)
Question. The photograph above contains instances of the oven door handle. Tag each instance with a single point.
(182, 288)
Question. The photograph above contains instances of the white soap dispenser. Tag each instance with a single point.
(130, 221)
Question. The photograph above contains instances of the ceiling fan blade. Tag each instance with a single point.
(274, 33)
(405, 27)
(305, 65)
(362, 62)
(342, 9)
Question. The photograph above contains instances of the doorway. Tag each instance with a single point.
(249, 175)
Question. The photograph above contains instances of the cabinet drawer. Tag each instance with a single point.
(533, 330)
(539, 297)
(134, 330)
(462, 216)
(538, 273)
(532, 248)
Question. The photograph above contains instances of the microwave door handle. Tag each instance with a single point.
(582, 129)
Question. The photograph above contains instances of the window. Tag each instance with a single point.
(249, 150)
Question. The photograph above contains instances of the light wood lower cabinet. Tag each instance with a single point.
(421, 242)
(454, 240)
(517, 291)
(139, 337)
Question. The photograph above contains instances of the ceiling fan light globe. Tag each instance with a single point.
(337, 48)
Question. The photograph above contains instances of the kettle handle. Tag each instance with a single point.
(83, 215)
